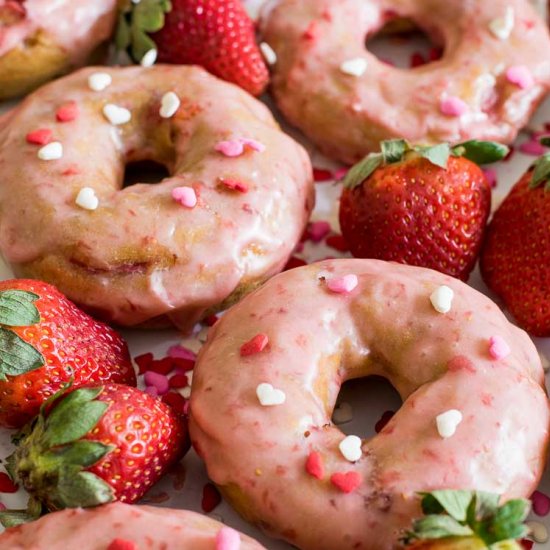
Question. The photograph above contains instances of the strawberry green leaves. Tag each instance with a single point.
(541, 172)
(437, 154)
(481, 152)
(136, 21)
(359, 172)
(470, 514)
(17, 308)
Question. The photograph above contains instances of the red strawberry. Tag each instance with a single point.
(424, 206)
(515, 258)
(216, 34)
(46, 341)
(97, 445)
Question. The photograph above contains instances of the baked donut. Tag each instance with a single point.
(120, 526)
(42, 39)
(237, 200)
(475, 414)
(494, 71)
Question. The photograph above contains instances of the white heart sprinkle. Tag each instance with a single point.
(185, 392)
(447, 422)
(502, 27)
(442, 299)
(87, 199)
(350, 447)
(99, 81)
(354, 67)
(116, 115)
(149, 59)
(169, 105)
(52, 151)
(269, 396)
(538, 530)
(268, 53)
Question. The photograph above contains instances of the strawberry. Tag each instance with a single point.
(425, 206)
(516, 253)
(45, 341)
(95, 445)
(216, 34)
(466, 520)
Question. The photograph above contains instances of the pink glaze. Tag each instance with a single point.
(347, 116)
(146, 527)
(521, 76)
(261, 457)
(140, 255)
(78, 26)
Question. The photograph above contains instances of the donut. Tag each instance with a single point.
(494, 71)
(120, 526)
(228, 216)
(42, 39)
(474, 414)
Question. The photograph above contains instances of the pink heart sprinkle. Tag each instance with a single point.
(453, 106)
(532, 147)
(317, 231)
(42, 136)
(541, 503)
(342, 285)
(186, 196)
(181, 352)
(521, 76)
(67, 112)
(228, 539)
(491, 175)
(253, 144)
(232, 148)
(498, 348)
(158, 381)
(347, 482)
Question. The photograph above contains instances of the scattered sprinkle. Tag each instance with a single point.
(122, 544)
(346, 482)
(150, 58)
(87, 199)
(442, 299)
(234, 185)
(181, 352)
(269, 53)
(532, 147)
(342, 285)
(314, 465)
(521, 76)
(294, 262)
(350, 447)
(236, 147)
(67, 112)
(158, 381)
(498, 348)
(253, 144)
(211, 498)
(337, 242)
(453, 106)
(51, 151)
(502, 27)
(317, 231)
(185, 196)
(384, 419)
(99, 81)
(228, 539)
(42, 136)
(254, 345)
(354, 67)
(342, 413)
(448, 422)
(169, 105)
(321, 175)
(116, 115)
(6, 484)
(541, 503)
(269, 396)
(539, 532)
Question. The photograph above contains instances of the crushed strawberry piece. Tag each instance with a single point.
(321, 175)
(122, 544)
(294, 262)
(234, 185)
(176, 401)
(337, 242)
(255, 345)
(178, 381)
(143, 362)
(210, 498)
(42, 136)
(314, 465)
(67, 112)
(384, 419)
(346, 482)
(183, 365)
(6, 484)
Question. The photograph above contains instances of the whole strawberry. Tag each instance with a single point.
(424, 206)
(96, 445)
(216, 34)
(515, 260)
(46, 341)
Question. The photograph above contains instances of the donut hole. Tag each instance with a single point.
(371, 399)
(402, 43)
(144, 171)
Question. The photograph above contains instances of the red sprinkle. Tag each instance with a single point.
(6, 484)
(294, 262)
(143, 362)
(527, 544)
(42, 136)
(178, 381)
(337, 242)
(255, 345)
(234, 185)
(183, 365)
(384, 419)
(210, 498)
(67, 112)
(541, 503)
(320, 175)
(417, 60)
(122, 544)
(314, 465)
(211, 320)
(176, 401)
(347, 482)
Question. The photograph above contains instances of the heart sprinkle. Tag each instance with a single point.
(87, 199)
(314, 465)
(347, 482)
(498, 348)
(350, 447)
(448, 422)
(442, 299)
(270, 396)
(254, 345)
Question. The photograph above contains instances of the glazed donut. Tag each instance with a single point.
(120, 526)
(228, 217)
(494, 71)
(42, 39)
(475, 414)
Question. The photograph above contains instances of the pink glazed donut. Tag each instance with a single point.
(494, 71)
(475, 413)
(236, 202)
(41, 39)
(120, 526)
